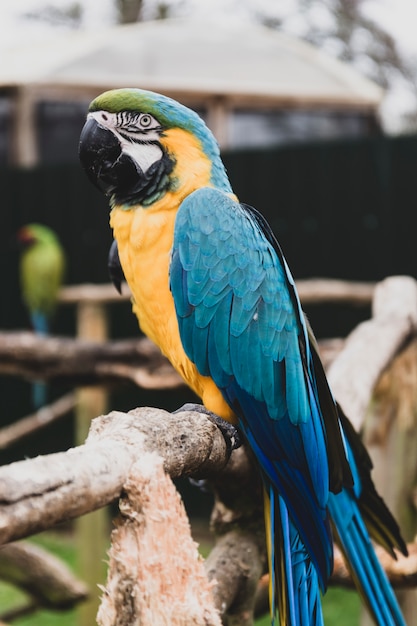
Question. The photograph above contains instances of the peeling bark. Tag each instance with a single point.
(156, 575)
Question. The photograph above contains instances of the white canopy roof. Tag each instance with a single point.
(184, 57)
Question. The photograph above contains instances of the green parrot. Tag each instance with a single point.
(42, 267)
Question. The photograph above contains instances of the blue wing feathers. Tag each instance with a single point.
(234, 331)
(218, 349)
(200, 347)
(179, 286)
(242, 313)
(241, 323)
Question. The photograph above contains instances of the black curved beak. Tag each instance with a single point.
(116, 174)
(99, 150)
(115, 268)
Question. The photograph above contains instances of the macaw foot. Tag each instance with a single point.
(229, 432)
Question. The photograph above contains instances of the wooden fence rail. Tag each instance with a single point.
(311, 291)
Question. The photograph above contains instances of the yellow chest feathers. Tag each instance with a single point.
(145, 236)
(145, 241)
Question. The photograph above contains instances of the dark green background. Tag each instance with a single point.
(345, 209)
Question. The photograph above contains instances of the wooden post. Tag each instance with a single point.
(24, 139)
(93, 529)
(218, 121)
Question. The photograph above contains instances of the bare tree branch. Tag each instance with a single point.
(34, 498)
(43, 417)
(60, 359)
(44, 577)
(326, 290)
(311, 291)
(85, 362)
(94, 474)
(238, 524)
(77, 361)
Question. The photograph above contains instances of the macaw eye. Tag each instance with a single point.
(145, 120)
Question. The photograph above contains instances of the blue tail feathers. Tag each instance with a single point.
(362, 561)
(294, 581)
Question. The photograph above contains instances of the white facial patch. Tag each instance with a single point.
(139, 141)
(143, 154)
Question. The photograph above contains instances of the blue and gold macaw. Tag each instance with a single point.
(212, 289)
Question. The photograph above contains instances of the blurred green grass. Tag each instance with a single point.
(63, 546)
(341, 607)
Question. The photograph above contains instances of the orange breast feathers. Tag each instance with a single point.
(144, 237)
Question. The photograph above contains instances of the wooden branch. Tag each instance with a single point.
(83, 479)
(26, 426)
(325, 291)
(92, 292)
(238, 558)
(82, 362)
(61, 359)
(44, 577)
(17, 612)
(372, 345)
(106, 466)
(311, 291)
(85, 362)
(156, 575)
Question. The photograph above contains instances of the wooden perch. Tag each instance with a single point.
(92, 292)
(85, 478)
(238, 558)
(81, 362)
(325, 291)
(384, 349)
(311, 291)
(90, 476)
(85, 362)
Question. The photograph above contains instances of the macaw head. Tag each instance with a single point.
(138, 145)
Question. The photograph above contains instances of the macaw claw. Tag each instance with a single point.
(229, 432)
